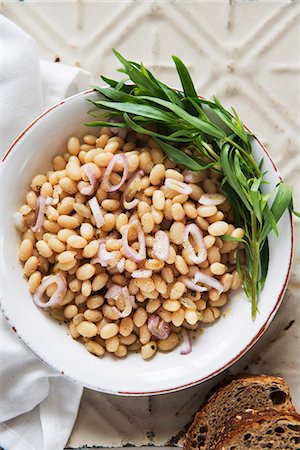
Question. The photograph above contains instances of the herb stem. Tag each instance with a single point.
(255, 269)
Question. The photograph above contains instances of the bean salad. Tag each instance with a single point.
(126, 247)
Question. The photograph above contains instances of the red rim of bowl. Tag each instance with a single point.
(192, 383)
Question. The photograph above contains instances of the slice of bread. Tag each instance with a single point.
(257, 392)
(260, 430)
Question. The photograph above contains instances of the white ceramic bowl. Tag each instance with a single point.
(216, 349)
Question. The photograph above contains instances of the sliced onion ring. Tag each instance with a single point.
(128, 308)
(113, 292)
(178, 186)
(161, 245)
(196, 233)
(208, 280)
(90, 172)
(56, 296)
(40, 205)
(186, 342)
(104, 257)
(158, 328)
(132, 204)
(142, 273)
(96, 211)
(121, 265)
(106, 184)
(212, 199)
(129, 251)
(192, 285)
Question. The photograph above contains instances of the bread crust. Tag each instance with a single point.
(218, 395)
(251, 422)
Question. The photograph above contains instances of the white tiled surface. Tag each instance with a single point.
(248, 54)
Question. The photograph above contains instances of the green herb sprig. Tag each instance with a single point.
(200, 134)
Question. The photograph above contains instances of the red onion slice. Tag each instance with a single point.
(192, 177)
(192, 286)
(106, 184)
(56, 296)
(133, 180)
(212, 199)
(121, 265)
(186, 342)
(161, 245)
(40, 205)
(196, 233)
(141, 274)
(158, 328)
(104, 257)
(90, 172)
(129, 251)
(96, 211)
(178, 186)
(208, 280)
(113, 292)
(128, 308)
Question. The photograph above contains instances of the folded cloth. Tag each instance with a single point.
(38, 407)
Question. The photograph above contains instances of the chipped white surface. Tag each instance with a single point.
(248, 54)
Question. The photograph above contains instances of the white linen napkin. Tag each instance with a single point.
(38, 407)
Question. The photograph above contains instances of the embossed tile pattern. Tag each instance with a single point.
(248, 54)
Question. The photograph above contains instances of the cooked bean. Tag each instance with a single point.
(181, 265)
(30, 266)
(70, 311)
(218, 228)
(176, 233)
(66, 256)
(95, 348)
(128, 340)
(168, 344)
(87, 231)
(70, 222)
(206, 211)
(157, 174)
(92, 315)
(178, 317)
(177, 212)
(121, 352)
(171, 305)
(145, 284)
(191, 316)
(177, 291)
(26, 249)
(190, 210)
(85, 272)
(99, 281)
(37, 182)
(58, 163)
(148, 350)
(109, 330)
(158, 200)
(76, 241)
(87, 329)
(34, 281)
(218, 268)
(174, 174)
(43, 249)
(73, 145)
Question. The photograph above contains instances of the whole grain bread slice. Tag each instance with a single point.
(257, 392)
(260, 430)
